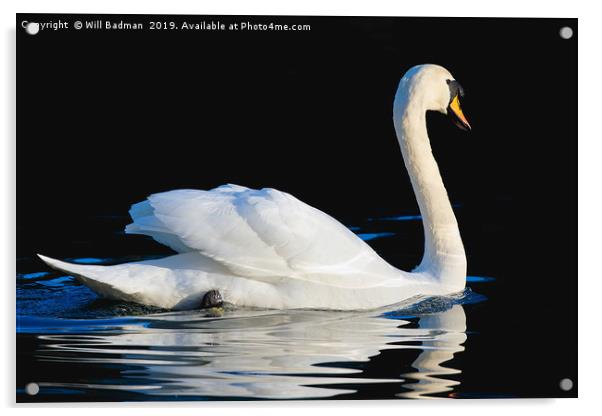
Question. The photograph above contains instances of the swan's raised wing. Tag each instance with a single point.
(265, 235)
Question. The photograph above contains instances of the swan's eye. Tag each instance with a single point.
(455, 89)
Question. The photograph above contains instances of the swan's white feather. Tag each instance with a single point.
(265, 235)
(181, 281)
(261, 248)
(175, 282)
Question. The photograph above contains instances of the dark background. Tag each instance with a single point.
(104, 118)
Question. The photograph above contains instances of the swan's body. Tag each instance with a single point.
(265, 248)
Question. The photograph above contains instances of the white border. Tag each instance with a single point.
(590, 230)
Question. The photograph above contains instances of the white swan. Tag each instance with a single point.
(265, 248)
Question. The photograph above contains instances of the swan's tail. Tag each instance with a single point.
(155, 282)
(92, 276)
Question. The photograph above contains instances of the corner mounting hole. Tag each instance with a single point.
(566, 384)
(32, 389)
(566, 33)
(32, 28)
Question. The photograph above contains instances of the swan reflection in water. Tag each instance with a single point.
(265, 354)
(430, 374)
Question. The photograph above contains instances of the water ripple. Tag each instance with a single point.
(253, 354)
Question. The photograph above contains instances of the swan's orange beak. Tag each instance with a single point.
(459, 118)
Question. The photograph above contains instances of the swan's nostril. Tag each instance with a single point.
(212, 299)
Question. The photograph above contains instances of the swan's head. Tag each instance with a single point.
(435, 89)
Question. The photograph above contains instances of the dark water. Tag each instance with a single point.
(77, 347)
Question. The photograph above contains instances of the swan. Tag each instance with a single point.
(265, 248)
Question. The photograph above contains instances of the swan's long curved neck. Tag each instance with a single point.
(444, 256)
